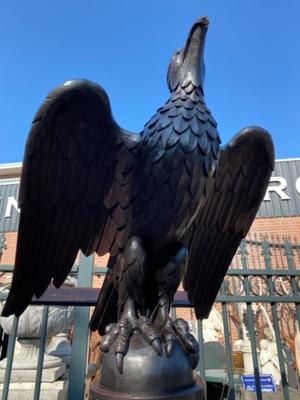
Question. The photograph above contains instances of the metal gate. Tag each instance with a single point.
(259, 300)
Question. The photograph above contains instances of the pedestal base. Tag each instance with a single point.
(49, 391)
(28, 354)
(98, 392)
(28, 375)
(147, 375)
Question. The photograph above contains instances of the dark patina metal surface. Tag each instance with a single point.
(147, 375)
(168, 204)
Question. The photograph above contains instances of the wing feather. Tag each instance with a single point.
(69, 168)
(242, 177)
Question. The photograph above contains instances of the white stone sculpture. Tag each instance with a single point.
(59, 345)
(28, 333)
(238, 345)
(245, 343)
(25, 359)
(28, 336)
(244, 346)
(269, 360)
(213, 328)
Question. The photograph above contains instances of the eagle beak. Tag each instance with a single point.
(193, 53)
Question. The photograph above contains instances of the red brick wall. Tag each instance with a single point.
(278, 226)
(8, 256)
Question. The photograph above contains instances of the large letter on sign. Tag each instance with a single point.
(279, 188)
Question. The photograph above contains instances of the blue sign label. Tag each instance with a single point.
(267, 383)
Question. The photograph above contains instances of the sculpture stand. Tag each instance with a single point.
(146, 375)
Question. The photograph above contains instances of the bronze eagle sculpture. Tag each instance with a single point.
(168, 204)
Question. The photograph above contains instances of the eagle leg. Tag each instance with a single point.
(168, 278)
(130, 318)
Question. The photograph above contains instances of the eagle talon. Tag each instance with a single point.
(150, 334)
(125, 329)
(188, 340)
(119, 334)
(120, 362)
(169, 336)
(122, 341)
(169, 347)
(111, 332)
(178, 331)
(156, 344)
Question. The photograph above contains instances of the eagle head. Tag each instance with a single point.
(187, 64)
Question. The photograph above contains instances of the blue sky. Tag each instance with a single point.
(252, 61)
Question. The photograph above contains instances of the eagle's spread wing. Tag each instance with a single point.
(68, 186)
(242, 177)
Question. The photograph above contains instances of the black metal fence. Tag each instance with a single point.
(258, 304)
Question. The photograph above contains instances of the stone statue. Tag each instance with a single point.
(167, 204)
(213, 327)
(269, 359)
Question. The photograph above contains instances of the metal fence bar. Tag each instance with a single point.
(298, 315)
(243, 252)
(39, 368)
(289, 253)
(266, 252)
(201, 364)
(295, 292)
(254, 352)
(284, 381)
(228, 351)
(263, 272)
(81, 334)
(255, 299)
(9, 356)
(274, 244)
(86, 297)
